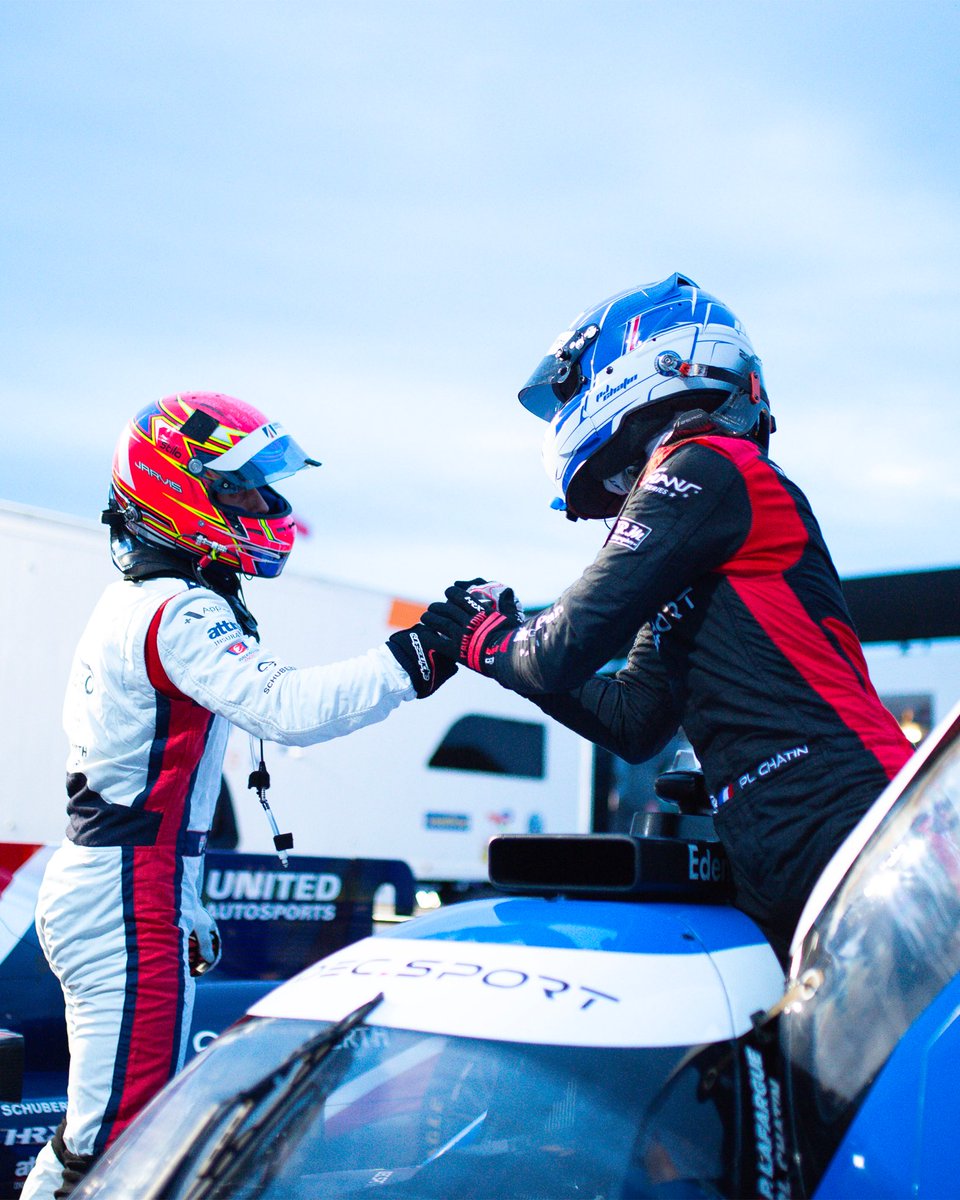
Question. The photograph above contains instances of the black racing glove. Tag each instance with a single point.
(475, 623)
(418, 651)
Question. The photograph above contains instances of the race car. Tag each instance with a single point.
(507, 1047)
(607, 1027)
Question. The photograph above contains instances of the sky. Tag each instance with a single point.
(370, 219)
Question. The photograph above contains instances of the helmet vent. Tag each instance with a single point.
(198, 426)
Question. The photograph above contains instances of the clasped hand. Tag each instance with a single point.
(475, 622)
(471, 626)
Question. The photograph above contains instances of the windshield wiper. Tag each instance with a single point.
(272, 1093)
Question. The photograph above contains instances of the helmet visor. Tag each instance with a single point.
(537, 395)
(265, 455)
(558, 377)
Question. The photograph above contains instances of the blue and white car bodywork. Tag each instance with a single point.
(497, 1048)
(570, 972)
(629, 1041)
(510, 1048)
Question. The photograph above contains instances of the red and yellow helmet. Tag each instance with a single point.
(194, 471)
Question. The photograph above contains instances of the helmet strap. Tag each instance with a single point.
(744, 413)
(138, 559)
(135, 557)
(226, 583)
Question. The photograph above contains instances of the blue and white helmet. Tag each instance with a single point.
(665, 359)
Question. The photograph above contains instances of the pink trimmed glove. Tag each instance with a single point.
(475, 623)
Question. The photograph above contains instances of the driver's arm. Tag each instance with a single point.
(678, 524)
(632, 713)
(240, 679)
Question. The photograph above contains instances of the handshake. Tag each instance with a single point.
(476, 622)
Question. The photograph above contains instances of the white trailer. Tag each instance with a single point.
(430, 785)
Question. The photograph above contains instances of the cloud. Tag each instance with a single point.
(373, 223)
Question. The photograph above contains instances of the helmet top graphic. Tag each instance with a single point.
(629, 372)
(194, 472)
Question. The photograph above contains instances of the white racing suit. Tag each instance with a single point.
(161, 672)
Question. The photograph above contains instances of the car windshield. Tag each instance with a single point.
(883, 947)
(421, 1116)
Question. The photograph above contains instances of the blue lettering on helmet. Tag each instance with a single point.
(608, 392)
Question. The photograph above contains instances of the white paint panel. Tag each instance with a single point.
(534, 994)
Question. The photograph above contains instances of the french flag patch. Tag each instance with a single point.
(631, 335)
(716, 802)
(628, 534)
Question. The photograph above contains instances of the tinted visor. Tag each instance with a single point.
(262, 457)
(558, 377)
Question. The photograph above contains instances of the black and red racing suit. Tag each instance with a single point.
(744, 640)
